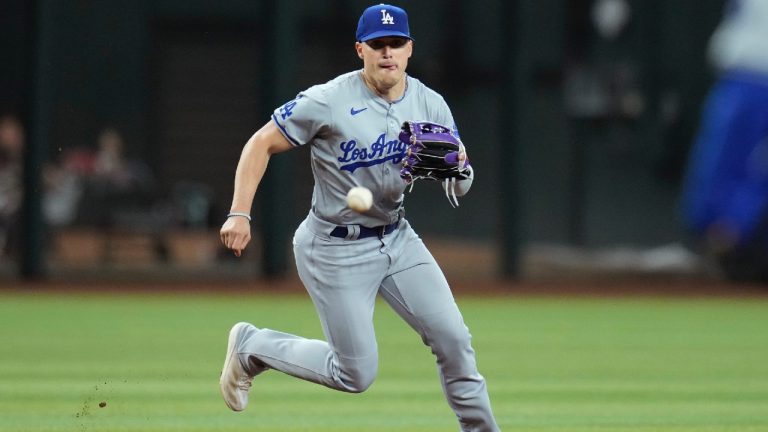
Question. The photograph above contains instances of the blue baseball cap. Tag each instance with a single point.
(382, 20)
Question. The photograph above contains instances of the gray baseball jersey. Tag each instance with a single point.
(354, 138)
(354, 141)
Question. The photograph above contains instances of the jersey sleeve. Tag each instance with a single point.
(303, 118)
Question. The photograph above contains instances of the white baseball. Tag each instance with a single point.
(359, 199)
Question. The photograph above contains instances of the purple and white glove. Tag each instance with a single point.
(434, 153)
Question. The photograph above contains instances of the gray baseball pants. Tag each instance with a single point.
(343, 277)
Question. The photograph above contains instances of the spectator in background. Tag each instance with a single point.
(725, 195)
(63, 181)
(112, 168)
(113, 183)
(12, 139)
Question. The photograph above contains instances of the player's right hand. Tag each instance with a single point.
(235, 234)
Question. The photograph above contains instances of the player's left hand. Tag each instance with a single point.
(433, 153)
(236, 234)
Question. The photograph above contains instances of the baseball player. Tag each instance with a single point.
(352, 125)
(725, 195)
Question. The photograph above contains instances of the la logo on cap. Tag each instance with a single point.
(386, 18)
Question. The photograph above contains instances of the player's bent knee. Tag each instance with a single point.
(450, 341)
(454, 344)
(446, 332)
(357, 375)
(360, 385)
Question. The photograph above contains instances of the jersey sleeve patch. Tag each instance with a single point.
(301, 119)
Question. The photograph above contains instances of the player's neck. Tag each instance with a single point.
(390, 94)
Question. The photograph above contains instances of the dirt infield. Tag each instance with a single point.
(469, 266)
(647, 287)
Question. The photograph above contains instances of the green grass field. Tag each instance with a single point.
(566, 365)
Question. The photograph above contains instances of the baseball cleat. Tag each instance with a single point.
(235, 382)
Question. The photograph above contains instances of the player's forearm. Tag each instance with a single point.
(250, 170)
(253, 163)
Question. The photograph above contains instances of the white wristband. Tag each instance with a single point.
(245, 215)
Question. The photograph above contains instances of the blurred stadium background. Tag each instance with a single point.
(578, 118)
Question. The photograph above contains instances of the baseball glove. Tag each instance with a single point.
(433, 154)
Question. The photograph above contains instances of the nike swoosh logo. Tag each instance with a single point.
(353, 111)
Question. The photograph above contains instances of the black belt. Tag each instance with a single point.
(379, 231)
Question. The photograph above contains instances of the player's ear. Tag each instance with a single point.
(410, 48)
(359, 49)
